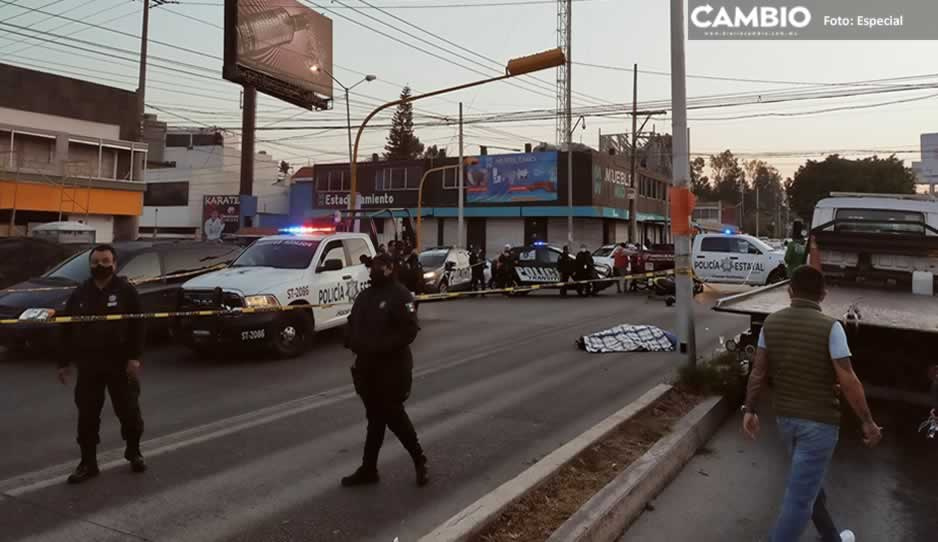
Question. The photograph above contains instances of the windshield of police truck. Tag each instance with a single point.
(432, 259)
(880, 221)
(278, 253)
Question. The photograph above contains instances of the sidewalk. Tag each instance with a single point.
(732, 489)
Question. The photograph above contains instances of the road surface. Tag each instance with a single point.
(253, 449)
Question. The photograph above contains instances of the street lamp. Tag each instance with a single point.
(348, 112)
(570, 179)
(515, 67)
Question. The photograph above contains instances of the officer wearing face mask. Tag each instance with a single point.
(107, 354)
(380, 329)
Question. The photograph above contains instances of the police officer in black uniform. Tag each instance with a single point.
(107, 354)
(566, 266)
(584, 271)
(380, 329)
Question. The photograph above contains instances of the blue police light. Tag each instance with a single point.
(539, 244)
(728, 231)
(298, 230)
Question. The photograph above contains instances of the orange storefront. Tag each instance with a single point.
(29, 196)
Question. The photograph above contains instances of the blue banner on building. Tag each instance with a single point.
(513, 178)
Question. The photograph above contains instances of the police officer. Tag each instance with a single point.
(566, 267)
(477, 264)
(107, 354)
(506, 268)
(584, 271)
(380, 329)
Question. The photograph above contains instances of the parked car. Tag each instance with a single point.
(446, 269)
(43, 296)
(539, 263)
(737, 259)
(22, 258)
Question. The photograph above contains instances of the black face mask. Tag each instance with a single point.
(102, 272)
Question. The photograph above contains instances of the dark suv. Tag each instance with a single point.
(136, 260)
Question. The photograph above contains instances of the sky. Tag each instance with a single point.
(185, 87)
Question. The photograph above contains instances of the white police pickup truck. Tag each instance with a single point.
(306, 266)
(737, 259)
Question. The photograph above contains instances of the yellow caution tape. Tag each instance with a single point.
(283, 308)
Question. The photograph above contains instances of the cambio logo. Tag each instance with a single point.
(757, 17)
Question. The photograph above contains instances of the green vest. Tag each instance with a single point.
(795, 256)
(798, 343)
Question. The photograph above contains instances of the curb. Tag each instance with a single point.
(477, 516)
(609, 513)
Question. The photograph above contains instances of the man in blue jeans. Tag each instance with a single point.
(807, 355)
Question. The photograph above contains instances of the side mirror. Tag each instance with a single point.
(449, 266)
(330, 265)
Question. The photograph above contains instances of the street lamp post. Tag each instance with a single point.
(464, 162)
(515, 67)
(570, 179)
(348, 110)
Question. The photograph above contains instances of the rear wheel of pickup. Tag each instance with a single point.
(292, 334)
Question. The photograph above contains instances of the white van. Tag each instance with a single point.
(308, 268)
(737, 259)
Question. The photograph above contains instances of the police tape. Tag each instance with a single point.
(135, 282)
(239, 311)
(546, 286)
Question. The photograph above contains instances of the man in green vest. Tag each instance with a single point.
(806, 353)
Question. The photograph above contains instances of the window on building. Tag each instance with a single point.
(335, 180)
(394, 178)
(174, 194)
(451, 179)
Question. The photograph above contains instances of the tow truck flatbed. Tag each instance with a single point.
(890, 309)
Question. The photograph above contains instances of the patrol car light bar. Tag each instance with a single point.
(307, 229)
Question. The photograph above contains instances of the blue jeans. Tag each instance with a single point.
(811, 445)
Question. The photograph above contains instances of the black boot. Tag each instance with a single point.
(423, 475)
(364, 476)
(85, 471)
(132, 454)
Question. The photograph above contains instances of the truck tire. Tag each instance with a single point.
(778, 275)
(293, 334)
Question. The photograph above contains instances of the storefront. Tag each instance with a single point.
(509, 199)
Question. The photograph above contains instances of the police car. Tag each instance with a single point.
(446, 269)
(303, 266)
(539, 263)
(737, 259)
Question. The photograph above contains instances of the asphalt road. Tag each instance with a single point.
(253, 450)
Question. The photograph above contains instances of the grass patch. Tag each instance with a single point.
(718, 376)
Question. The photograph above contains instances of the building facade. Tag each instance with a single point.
(67, 153)
(192, 173)
(509, 198)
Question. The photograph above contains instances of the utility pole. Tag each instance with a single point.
(684, 281)
(459, 223)
(142, 79)
(248, 123)
(633, 207)
(757, 208)
(568, 121)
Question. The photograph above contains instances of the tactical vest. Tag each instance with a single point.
(798, 344)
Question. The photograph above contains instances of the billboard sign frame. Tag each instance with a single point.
(262, 73)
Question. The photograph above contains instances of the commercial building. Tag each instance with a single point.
(193, 173)
(67, 153)
(509, 198)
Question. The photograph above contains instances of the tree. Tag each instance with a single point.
(816, 180)
(765, 196)
(700, 183)
(402, 144)
(728, 178)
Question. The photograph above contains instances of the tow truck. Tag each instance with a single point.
(879, 255)
(303, 266)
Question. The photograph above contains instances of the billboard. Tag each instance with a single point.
(513, 178)
(272, 44)
(220, 214)
(611, 186)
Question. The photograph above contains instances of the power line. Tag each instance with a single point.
(53, 2)
(29, 26)
(487, 4)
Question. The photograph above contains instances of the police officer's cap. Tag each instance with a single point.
(382, 259)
